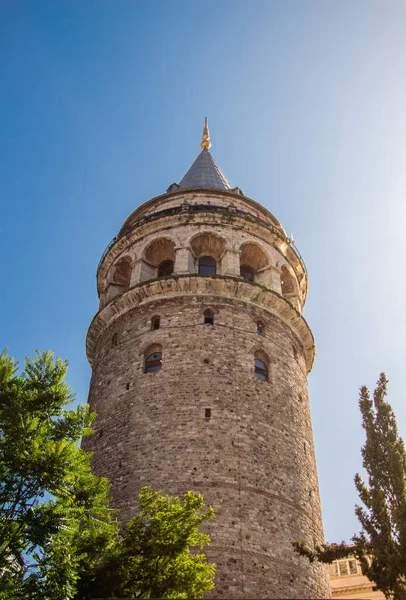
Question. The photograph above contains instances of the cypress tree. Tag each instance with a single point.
(381, 544)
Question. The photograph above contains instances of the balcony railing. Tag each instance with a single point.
(211, 208)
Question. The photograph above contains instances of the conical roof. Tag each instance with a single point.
(204, 173)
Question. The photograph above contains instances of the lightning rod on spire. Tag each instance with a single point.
(205, 143)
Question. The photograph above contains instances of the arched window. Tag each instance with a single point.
(153, 362)
(261, 366)
(158, 259)
(114, 340)
(253, 260)
(165, 268)
(260, 328)
(287, 281)
(207, 265)
(247, 272)
(122, 271)
(155, 323)
(208, 317)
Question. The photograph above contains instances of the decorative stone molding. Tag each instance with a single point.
(185, 285)
(233, 222)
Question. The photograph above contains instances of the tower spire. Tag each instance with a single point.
(205, 143)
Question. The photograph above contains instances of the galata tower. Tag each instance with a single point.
(200, 356)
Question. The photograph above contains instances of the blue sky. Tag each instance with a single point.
(102, 106)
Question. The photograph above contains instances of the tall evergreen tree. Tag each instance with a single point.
(381, 544)
(54, 517)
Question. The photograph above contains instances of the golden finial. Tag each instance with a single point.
(205, 143)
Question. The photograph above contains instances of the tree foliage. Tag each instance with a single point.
(54, 517)
(381, 544)
(58, 537)
(152, 557)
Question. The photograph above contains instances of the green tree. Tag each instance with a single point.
(58, 538)
(381, 544)
(54, 517)
(152, 558)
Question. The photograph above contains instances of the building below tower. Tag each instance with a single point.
(347, 581)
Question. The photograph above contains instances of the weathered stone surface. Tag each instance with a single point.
(253, 459)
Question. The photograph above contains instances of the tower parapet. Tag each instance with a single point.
(200, 355)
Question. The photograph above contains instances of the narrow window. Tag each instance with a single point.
(114, 340)
(207, 265)
(153, 362)
(155, 323)
(247, 272)
(165, 268)
(261, 369)
(295, 352)
(352, 566)
(207, 413)
(343, 566)
(208, 317)
(260, 328)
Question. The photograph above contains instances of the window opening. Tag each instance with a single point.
(122, 272)
(114, 340)
(207, 265)
(260, 328)
(295, 352)
(287, 281)
(208, 317)
(153, 362)
(165, 268)
(247, 272)
(261, 369)
(207, 413)
(343, 566)
(155, 323)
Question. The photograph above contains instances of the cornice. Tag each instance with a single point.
(195, 192)
(180, 286)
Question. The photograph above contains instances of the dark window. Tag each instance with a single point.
(295, 352)
(165, 268)
(153, 362)
(155, 323)
(260, 328)
(247, 272)
(207, 413)
(207, 265)
(261, 369)
(208, 317)
(114, 340)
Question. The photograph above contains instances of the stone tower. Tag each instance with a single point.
(200, 356)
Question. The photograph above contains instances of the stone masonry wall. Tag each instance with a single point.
(253, 459)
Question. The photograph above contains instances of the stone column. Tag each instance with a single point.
(230, 263)
(264, 276)
(184, 262)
